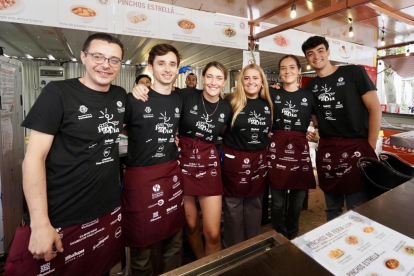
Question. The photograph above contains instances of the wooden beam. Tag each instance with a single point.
(390, 14)
(395, 45)
(396, 56)
(271, 13)
(303, 20)
(333, 9)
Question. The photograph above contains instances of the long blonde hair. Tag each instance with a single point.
(238, 99)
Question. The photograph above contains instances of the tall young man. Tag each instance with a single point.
(349, 118)
(191, 81)
(152, 196)
(71, 171)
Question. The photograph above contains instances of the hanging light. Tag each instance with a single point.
(351, 29)
(293, 11)
(382, 39)
(308, 67)
(408, 53)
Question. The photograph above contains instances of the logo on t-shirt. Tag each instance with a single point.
(344, 155)
(256, 119)
(340, 82)
(266, 110)
(83, 109)
(246, 161)
(148, 111)
(194, 110)
(109, 126)
(164, 127)
(290, 110)
(298, 123)
(304, 102)
(328, 115)
(277, 99)
(339, 105)
(106, 152)
(120, 108)
(255, 136)
(221, 119)
(287, 127)
(156, 187)
(326, 95)
(205, 126)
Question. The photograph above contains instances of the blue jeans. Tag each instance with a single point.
(335, 203)
(286, 208)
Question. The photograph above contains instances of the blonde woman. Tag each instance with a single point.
(244, 156)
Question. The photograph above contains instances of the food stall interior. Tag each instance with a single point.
(377, 24)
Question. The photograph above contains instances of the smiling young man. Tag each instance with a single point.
(191, 81)
(152, 196)
(349, 119)
(71, 171)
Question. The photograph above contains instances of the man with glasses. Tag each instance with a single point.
(71, 171)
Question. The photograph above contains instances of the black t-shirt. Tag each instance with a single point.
(194, 121)
(251, 128)
(292, 110)
(152, 127)
(340, 109)
(82, 167)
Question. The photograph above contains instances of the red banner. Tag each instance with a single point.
(404, 153)
(372, 73)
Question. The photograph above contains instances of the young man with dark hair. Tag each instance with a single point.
(191, 81)
(152, 196)
(349, 119)
(71, 172)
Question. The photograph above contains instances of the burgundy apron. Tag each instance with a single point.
(336, 163)
(200, 167)
(243, 172)
(92, 248)
(289, 162)
(152, 203)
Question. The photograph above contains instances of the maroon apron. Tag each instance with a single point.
(200, 167)
(243, 172)
(91, 248)
(289, 162)
(152, 203)
(336, 163)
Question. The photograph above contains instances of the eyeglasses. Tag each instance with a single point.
(99, 59)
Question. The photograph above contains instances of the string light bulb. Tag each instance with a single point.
(308, 67)
(293, 11)
(351, 29)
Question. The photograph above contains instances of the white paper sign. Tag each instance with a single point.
(354, 245)
(7, 88)
(6, 135)
(249, 58)
(290, 42)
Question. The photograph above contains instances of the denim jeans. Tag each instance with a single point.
(286, 208)
(335, 203)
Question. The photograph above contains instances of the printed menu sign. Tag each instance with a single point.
(157, 20)
(131, 17)
(355, 245)
(290, 42)
(39, 12)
